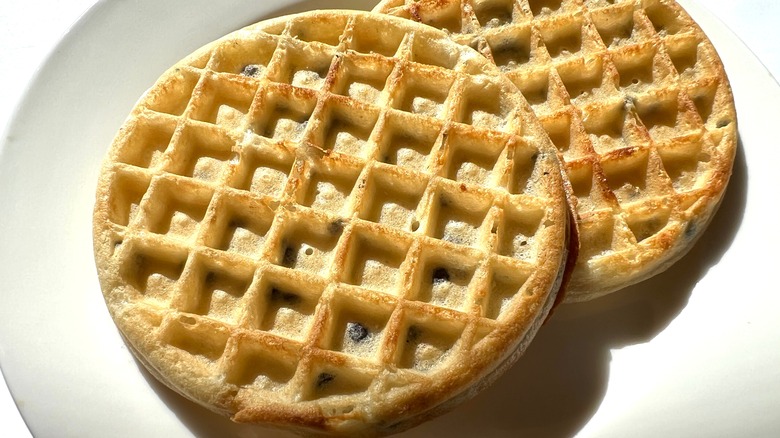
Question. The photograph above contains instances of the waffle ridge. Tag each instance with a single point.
(637, 102)
(330, 222)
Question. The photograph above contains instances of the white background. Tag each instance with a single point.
(30, 29)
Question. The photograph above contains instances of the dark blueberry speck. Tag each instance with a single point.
(357, 331)
(250, 70)
(285, 297)
(412, 335)
(336, 226)
(290, 256)
(690, 230)
(324, 378)
(440, 275)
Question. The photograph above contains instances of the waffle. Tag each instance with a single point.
(637, 102)
(333, 222)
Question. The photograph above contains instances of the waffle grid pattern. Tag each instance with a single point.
(634, 97)
(300, 221)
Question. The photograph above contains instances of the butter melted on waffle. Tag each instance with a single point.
(636, 100)
(333, 221)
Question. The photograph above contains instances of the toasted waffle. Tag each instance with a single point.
(334, 222)
(638, 104)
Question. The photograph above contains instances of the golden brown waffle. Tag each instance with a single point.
(637, 102)
(331, 222)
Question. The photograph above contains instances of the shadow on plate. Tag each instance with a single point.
(559, 383)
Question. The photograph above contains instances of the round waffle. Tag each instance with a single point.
(638, 104)
(332, 222)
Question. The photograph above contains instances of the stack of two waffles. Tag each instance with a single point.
(348, 222)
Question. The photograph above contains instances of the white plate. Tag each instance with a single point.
(690, 352)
